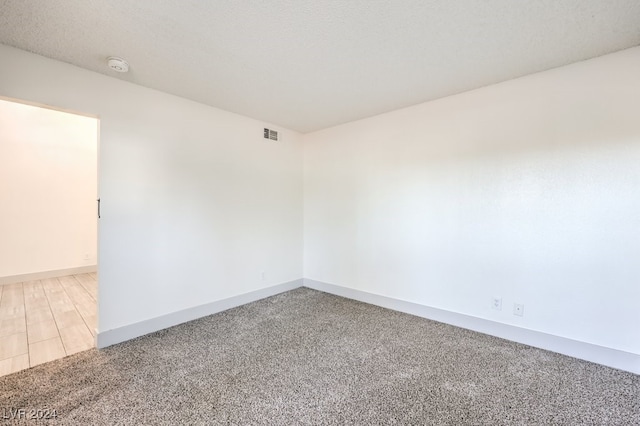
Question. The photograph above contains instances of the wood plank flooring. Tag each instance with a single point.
(46, 319)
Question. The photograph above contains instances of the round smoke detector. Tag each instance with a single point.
(117, 64)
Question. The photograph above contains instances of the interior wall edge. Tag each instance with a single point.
(582, 350)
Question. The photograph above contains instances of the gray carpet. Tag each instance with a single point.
(306, 357)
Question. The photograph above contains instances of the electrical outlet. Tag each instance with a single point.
(262, 276)
(496, 303)
(518, 309)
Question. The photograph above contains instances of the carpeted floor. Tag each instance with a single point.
(306, 357)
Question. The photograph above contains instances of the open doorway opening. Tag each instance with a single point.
(48, 234)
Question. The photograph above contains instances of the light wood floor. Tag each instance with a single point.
(45, 320)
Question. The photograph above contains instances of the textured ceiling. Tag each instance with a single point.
(311, 64)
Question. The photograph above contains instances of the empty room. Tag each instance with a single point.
(49, 226)
(319, 212)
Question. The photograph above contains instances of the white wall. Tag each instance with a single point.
(48, 190)
(195, 203)
(528, 190)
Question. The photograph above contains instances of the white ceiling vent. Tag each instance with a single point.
(117, 64)
(270, 134)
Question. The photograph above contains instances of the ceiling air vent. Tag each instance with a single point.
(270, 134)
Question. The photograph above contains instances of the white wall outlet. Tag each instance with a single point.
(262, 276)
(496, 303)
(518, 309)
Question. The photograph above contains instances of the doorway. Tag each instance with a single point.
(49, 244)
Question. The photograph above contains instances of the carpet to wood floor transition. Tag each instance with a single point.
(306, 357)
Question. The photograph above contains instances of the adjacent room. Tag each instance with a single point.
(48, 223)
(408, 212)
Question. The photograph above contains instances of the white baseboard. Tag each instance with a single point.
(599, 354)
(47, 274)
(589, 352)
(128, 332)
